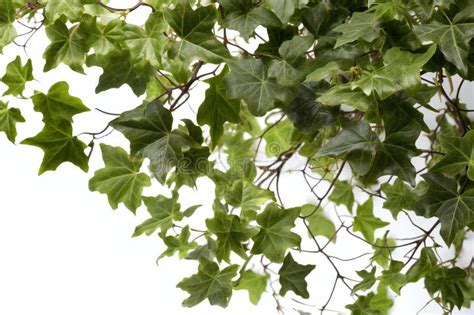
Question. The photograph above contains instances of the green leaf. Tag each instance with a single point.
(217, 108)
(7, 17)
(292, 277)
(399, 197)
(231, 234)
(382, 250)
(254, 283)
(459, 154)
(392, 277)
(209, 283)
(357, 142)
(284, 9)
(247, 196)
(148, 128)
(365, 221)
(249, 81)
(148, 43)
(320, 224)
(59, 146)
(448, 282)
(368, 280)
(423, 265)
(454, 210)
(343, 194)
(16, 76)
(279, 138)
(245, 22)
(58, 104)
(372, 304)
(72, 9)
(194, 27)
(119, 70)
(452, 38)
(343, 94)
(179, 244)
(164, 212)
(360, 26)
(120, 179)
(275, 235)
(68, 46)
(9, 117)
(105, 36)
(207, 250)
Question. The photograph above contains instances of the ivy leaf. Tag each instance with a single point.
(292, 277)
(382, 250)
(7, 17)
(392, 277)
(247, 196)
(164, 211)
(9, 117)
(209, 283)
(343, 94)
(207, 250)
(245, 22)
(119, 70)
(373, 304)
(368, 280)
(361, 25)
(343, 194)
(104, 38)
(275, 235)
(68, 46)
(278, 139)
(147, 44)
(72, 9)
(16, 76)
(284, 9)
(254, 283)
(58, 104)
(318, 223)
(249, 81)
(365, 222)
(423, 265)
(120, 179)
(59, 146)
(357, 142)
(179, 244)
(231, 234)
(452, 38)
(448, 282)
(195, 30)
(148, 128)
(217, 108)
(399, 197)
(454, 210)
(459, 154)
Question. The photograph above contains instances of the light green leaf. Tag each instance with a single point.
(245, 22)
(368, 280)
(58, 104)
(254, 283)
(209, 283)
(178, 244)
(399, 197)
(424, 265)
(343, 95)
(72, 9)
(343, 194)
(59, 146)
(247, 196)
(231, 234)
(275, 235)
(9, 117)
(217, 108)
(68, 46)
(148, 43)
(284, 9)
(164, 212)
(292, 277)
(360, 26)
(120, 179)
(319, 224)
(7, 17)
(16, 76)
(365, 221)
(249, 81)
(392, 277)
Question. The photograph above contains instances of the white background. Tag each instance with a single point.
(64, 251)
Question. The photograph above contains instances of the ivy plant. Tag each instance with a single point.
(342, 94)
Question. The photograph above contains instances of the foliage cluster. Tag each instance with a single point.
(346, 86)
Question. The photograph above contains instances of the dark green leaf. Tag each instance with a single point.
(292, 277)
